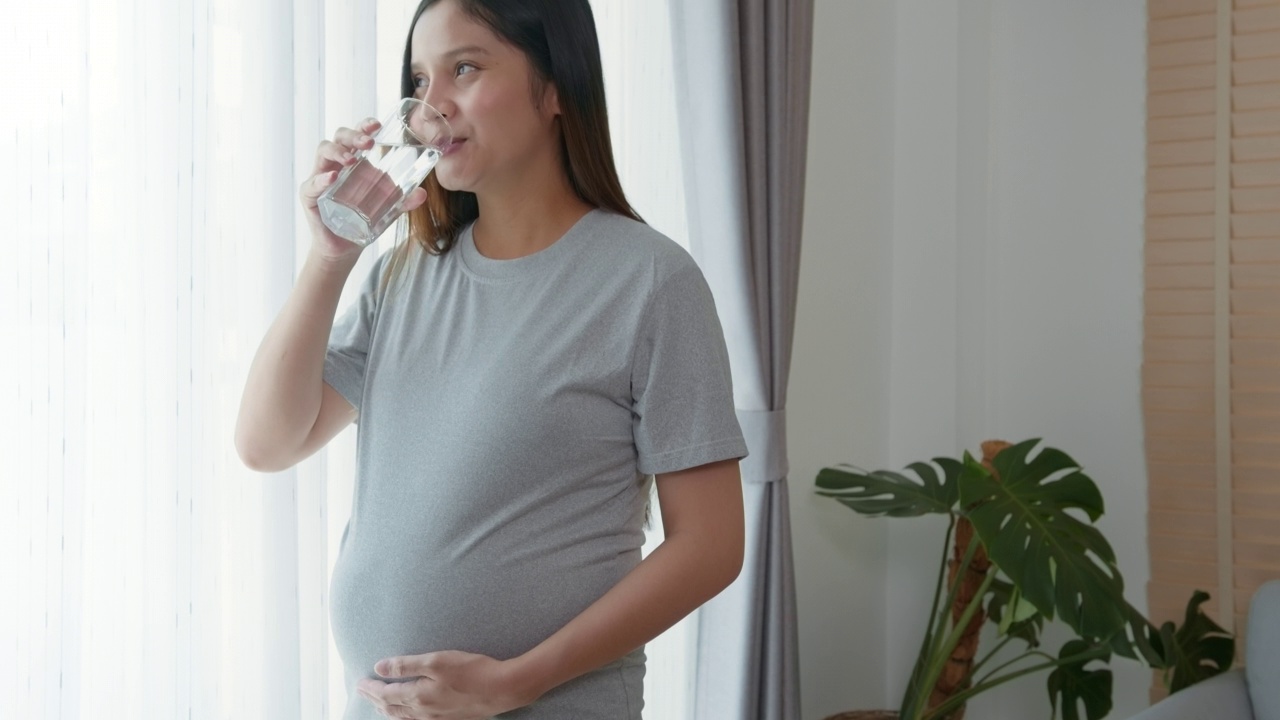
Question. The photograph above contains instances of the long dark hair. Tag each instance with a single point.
(559, 39)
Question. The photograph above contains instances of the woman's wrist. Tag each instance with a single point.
(331, 264)
(529, 677)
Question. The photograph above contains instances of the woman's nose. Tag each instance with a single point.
(439, 99)
(426, 125)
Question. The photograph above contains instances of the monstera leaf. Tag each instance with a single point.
(1013, 615)
(1034, 517)
(1059, 563)
(889, 493)
(1140, 640)
(1071, 684)
(1196, 651)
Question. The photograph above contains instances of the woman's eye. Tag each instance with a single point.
(465, 65)
(419, 82)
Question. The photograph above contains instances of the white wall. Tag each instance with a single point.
(837, 396)
(971, 269)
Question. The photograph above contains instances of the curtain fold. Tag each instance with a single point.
(743, 102)
(152, 199)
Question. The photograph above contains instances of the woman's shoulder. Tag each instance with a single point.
(625, 242)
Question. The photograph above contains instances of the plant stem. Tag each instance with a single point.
(918, 692)
(940, 656)
(942, 573)
(1002, 666)
(912, 696)
(960, 698)
(999, 646)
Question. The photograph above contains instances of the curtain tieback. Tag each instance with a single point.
(766, 434)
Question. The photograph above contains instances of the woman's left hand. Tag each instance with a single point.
(449, 685)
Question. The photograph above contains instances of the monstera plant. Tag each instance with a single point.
(1021, 549)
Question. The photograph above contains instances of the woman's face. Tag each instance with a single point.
(483, 86)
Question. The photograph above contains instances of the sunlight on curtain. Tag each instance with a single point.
(155, 149)
(153, 183)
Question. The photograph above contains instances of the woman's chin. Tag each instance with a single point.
(451, 183)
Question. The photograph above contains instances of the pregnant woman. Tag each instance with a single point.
(523, 366)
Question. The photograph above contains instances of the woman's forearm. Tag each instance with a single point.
(689, 568)
(284, 388)
(675, 579)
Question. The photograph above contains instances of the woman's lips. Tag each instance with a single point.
(452, 147)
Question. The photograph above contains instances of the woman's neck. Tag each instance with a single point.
(523, 223)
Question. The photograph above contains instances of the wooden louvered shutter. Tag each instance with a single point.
(1211, 374)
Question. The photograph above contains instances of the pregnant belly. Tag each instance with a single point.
(413, 603)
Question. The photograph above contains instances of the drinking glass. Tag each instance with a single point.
(368, 195)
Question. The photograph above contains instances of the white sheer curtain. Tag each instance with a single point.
(153, 153)
(152, 180)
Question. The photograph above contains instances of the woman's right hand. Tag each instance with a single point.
(332, 156)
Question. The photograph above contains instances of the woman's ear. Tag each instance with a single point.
(551, 99)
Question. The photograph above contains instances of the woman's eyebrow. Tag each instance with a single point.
(467, 50)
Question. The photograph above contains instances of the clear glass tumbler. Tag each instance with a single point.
(369, 195)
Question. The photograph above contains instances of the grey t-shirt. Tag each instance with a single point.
(510, 412)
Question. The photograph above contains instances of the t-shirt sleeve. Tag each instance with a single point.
(681, 387)
(347, 355)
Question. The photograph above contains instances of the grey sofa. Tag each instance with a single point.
(1252, 693)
